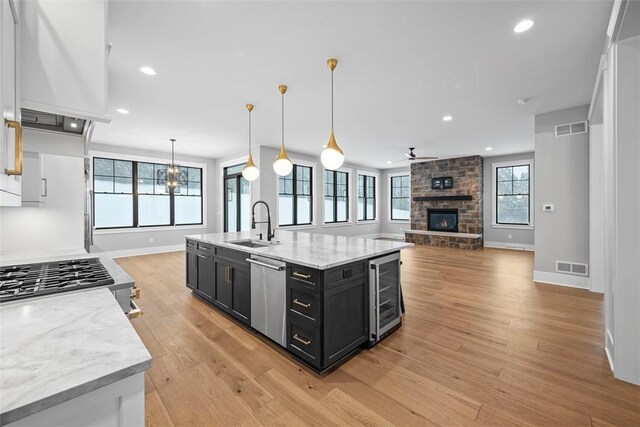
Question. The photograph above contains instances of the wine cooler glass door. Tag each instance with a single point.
(386, 294)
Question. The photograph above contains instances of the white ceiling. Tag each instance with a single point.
(402, 66)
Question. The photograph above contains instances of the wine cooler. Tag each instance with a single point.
(385, 296)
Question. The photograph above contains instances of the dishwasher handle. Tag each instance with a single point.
(264, 264)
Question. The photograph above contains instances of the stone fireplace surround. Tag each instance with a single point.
(467, 174)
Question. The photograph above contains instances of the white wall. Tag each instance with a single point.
(561, 179)
(499, 235)
(148, 240)
(388, 226)
(59, 222)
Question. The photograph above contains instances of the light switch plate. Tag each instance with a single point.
(548, 208)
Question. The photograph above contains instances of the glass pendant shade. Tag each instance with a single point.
(250, 172)
(282, 165)
(332, 156)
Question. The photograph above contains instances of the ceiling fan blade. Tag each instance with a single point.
(426, 158)
(408, 155)
(398, 161)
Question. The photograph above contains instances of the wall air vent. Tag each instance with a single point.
(572, 268)
(571, 129)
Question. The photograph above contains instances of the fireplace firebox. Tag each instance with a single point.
(443, 220)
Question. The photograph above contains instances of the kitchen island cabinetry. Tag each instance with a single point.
(324, 288)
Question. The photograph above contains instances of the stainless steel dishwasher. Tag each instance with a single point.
(268, 295)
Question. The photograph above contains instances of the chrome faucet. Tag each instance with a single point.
(270, 233)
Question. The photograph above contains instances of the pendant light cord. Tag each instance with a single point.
(332, 99)
(249, 133)
(283, 119)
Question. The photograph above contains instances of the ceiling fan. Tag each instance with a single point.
(411, 157)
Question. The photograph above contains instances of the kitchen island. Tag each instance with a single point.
(321, 297)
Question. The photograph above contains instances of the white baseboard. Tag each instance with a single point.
(606, 351)
(561, 279)
(144, 251)
(512, 246)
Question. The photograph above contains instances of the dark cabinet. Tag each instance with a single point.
(222, 296)
(327, 312)
(233, 285)
(241, 291)
(206, 275)
(192, 270)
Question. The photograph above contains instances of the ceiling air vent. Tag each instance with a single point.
(572, 268)
(571, 129)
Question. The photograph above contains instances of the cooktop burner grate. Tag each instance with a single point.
(31, 280)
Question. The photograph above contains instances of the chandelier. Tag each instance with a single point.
(172, 176)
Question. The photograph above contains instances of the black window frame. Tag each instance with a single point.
(237, 176)
(512, 194)
(366, 196)
(335, 196)
(392, 198)
(295, 194)
(135, 194)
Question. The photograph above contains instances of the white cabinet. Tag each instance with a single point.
(35, 186)
(64, 57)
(117, 404)
(11, 134)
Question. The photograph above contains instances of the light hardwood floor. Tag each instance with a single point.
(481, 344)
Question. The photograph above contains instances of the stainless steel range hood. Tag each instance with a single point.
(56, 123)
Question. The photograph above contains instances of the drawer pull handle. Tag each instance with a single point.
(300, 303)
(302, 276)
(297, 338)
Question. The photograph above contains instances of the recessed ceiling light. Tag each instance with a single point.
(523, 26)
(388, 162)
(74, 125)
(522, 101)
(489, 148)
(148, 71)
(447, 118)
(122, 111)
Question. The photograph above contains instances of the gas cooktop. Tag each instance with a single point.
(31, 280)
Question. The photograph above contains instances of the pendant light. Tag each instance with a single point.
(172, 176)
(250, 172)
(282, 165)
(332, 156)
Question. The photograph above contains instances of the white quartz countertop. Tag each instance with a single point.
(318, 251)
(57, 348)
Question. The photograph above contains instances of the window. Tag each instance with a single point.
(366, 197)
(513, 194)
(127, 194)
(237, 197)
(400, 197)
(295, 197)
(336, 196)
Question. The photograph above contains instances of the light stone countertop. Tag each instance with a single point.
(319, 251)
(57, 348)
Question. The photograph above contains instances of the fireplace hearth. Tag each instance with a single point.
(443, 220)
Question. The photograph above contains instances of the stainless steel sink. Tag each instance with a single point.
(248, 243)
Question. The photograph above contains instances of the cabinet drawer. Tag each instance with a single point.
(304, 341)
(240, 257)
(191, 244)
(206, 247)
(304, 304)
(345, 272)
(305, 275)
